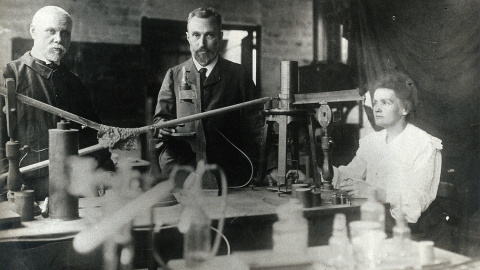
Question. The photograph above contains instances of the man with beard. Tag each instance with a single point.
(226, 84)
(40, 74)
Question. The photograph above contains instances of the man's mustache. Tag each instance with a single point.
(58, 47)
(204, 50)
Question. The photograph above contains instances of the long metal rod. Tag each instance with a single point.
(45, 163)
(53, 110)
(202, 115)
(91, 124)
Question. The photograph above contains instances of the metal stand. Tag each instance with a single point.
(155, 172)
(12, 147)
(324, 117)
(191, 95)
(290, 121)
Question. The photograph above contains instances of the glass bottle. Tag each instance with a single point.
(195, 226)
(401, 236)
(197, 238)
(290, 232)
(399, 250)
(340, 245)
(373, 210)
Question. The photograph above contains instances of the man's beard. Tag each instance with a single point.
(56, 53)
(204, 56)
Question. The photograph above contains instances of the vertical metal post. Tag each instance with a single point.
(12, 147)
(289, 84)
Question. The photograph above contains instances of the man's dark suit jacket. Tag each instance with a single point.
(228, 84)
(57, 87)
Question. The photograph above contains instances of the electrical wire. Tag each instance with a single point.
(223, 206)
(155, 254)
(233, 220)
(20, 162)
(243, 153)
(224, 238)
(156, 229)
(220, 226)
(159, 259)
(36, 151)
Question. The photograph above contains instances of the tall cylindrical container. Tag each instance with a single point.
(63, 143)
(289, 83)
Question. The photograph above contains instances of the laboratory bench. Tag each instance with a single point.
(249, 217)
(317, 257)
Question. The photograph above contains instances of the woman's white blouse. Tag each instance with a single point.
(408, 169)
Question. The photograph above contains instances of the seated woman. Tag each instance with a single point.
(401, 162)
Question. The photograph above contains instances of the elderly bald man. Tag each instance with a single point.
(40, 74)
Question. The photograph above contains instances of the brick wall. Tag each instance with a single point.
(286, 25)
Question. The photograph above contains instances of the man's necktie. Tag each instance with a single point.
(53, 66)
(203, 75)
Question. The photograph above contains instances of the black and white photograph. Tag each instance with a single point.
(243, 135)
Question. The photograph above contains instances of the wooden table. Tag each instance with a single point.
(46, 229)
(249, 217)
(241, 203)
(315, 258)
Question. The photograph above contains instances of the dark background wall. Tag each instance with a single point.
(286, 25)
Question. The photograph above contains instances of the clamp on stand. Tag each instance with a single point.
(190, 102)
(290, 120)
(288, 115)
(324, 117)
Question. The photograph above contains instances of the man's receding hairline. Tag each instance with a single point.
(209, 18)
(49, 11)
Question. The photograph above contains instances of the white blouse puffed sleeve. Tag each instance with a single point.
(419, 184)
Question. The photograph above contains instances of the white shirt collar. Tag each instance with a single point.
(209, 67)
